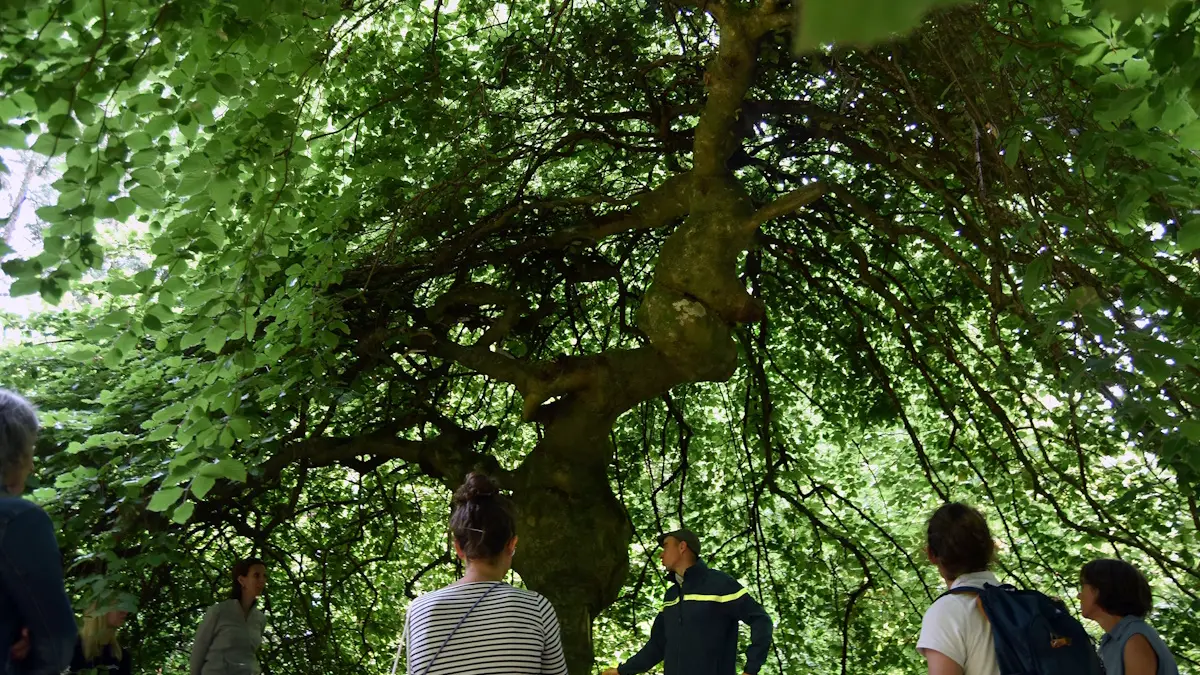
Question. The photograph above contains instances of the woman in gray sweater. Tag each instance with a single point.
(232, 629)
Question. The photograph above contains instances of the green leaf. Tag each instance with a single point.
(225, 84)
(160, 125)
(152, 323)
(1092, 54)
(240, 427)
(126, 343)
(164, 499)
(1136, 70)
(52, 214)
(1012, 150)
(148, 177)
(191, 339)
(214, 340)
(1174, 49)
(193, 183)
(44, 495)
(1120, 107)
(26, 286)
(82, 355)
(228, 468)
(183, 512)
(146, 197)
(119, 286)
(139, 140)
(162, 433)
(145, 158)
(1189, 235)
(12, 137)
(1176, 115)
(1191, 429)
(1082, 297)
(1036, 273)
(125, 208)
(1152, 367)
(859, 22)
(101, 331)
(86, 111)
(201, 485)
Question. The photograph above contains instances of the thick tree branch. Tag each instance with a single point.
(728, 78)
(446, 457)
(786, 204)
(479, 295)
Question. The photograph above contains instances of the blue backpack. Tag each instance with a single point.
(1034, 634)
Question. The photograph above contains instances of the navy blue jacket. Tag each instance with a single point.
(31, 591)
(698, 635)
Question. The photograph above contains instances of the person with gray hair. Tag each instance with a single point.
(35, 613)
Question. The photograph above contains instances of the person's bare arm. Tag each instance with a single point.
(1140, 658)
(940, 664)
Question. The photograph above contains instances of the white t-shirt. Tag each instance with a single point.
(512, 631)
(956, 626)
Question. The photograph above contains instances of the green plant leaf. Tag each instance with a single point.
(193, 183)
(1189, 235)
(214, 340)
(12, 137)
(183, 512)
(860, 22)
(25, 286)
(201, 485)
(165, 498)
(228, 468)
(146, 197)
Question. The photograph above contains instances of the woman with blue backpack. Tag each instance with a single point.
(982, 627)
(1116, 595)
(956, 638)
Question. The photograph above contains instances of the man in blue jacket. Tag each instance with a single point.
(696, 633)
(37, 625)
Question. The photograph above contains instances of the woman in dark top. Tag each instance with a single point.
(98, 649)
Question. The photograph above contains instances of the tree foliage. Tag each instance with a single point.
(642, 261)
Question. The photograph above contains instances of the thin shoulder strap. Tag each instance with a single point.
(399, 648)
(456, 627)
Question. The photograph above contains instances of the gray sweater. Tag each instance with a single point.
(227, 641)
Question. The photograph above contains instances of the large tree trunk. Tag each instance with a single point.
(574, 533)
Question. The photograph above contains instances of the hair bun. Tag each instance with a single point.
(476, 486)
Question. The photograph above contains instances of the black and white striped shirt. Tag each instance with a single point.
(511, 632)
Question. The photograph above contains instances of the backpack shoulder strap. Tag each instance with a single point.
(961, 590)
(969, 590)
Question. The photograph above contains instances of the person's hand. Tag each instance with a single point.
(20, 648)
(611, 671)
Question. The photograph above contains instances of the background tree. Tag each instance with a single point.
(644, 263)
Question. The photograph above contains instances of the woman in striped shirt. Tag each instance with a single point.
(480, 624)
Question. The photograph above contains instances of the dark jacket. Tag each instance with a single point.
(32, 594)
(698, 635)
(105, 664)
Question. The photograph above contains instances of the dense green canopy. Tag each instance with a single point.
(761, 268)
